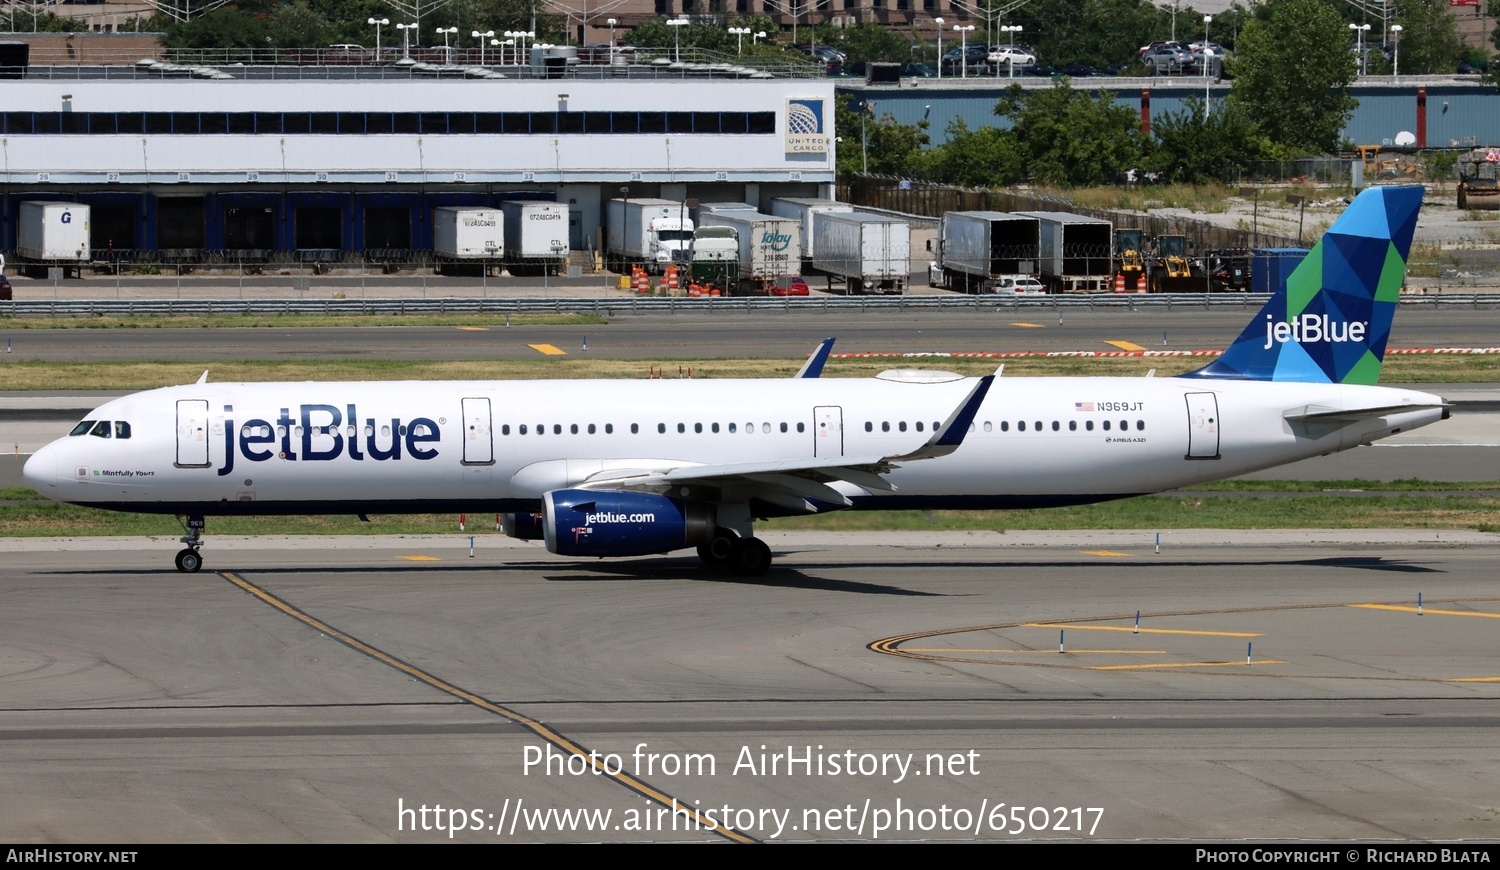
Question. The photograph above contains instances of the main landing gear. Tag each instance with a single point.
(190, 560)
(749, 557)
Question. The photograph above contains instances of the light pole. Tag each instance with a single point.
(939, 23)
(1396, 52)
(612, 22)
(1008, 30)
(406, 30)
(1359, 45)
(963, 57)
(739, 38)
(756, 37)
(677, 24)
(1208, 60)
(1207, 56)
(378, 22)
(1301, 203)
(482, 37)
(447, 54)
(864, 157)
(520, 36)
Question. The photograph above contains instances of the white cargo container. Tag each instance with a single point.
(467, 233)
(1077, 252)
(649, 232)
(769, 246)
(805, 212)
(536, 234)
(53, 232)
(975, 247)
(872, 253)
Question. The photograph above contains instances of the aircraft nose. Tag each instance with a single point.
(41, 469)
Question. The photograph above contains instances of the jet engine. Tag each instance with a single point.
(579, 522)
(525, 527)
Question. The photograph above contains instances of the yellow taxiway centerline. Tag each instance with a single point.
(1076, 627)
(1426, 611)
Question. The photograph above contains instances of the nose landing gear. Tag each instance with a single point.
(190, 560)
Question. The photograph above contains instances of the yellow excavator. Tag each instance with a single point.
(1130, 261)
(1382, 164)
(1171, 268)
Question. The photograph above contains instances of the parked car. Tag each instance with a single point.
(1013, 285)
(832, 59)
(792, 285)
(974, 59)
(1167, 59)
(5, 291)
(1004, 55)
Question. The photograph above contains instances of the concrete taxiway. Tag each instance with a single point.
(893, 686)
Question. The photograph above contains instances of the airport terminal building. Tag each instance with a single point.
(347, 163)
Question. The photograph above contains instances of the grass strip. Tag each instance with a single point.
(24, 518)
(125, 375)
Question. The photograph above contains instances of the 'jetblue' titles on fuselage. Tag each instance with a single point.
(1313, 328)
(247, 440)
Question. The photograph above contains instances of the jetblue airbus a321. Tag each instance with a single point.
(631, 468)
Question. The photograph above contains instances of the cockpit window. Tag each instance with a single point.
(82, 428)
(101, 429)
(122, 429)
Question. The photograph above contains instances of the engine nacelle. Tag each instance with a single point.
(525, 527)
(578, 522)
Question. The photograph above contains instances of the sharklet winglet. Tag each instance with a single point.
(814, 365)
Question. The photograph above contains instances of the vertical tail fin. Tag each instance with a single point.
(1331, 321)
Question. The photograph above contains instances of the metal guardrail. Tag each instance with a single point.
(668, 305)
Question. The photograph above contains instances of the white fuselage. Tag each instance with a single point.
(416, 446)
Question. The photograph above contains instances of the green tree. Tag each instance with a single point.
(1190, 148)
(1091, 31)
(296, 25)
(986, 157)
(882, 144)
(1292, 75)
(222, 28)
(867, 42)
(1070, 136)
(1429, 37)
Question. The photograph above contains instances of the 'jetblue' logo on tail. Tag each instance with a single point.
(1313, 328)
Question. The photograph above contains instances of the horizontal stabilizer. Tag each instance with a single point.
(1339, 416)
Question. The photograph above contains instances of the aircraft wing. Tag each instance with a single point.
(792, 482)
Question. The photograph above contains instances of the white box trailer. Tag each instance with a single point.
(977, 247)
(872, 253)
(805, 211)
(536, 235)
(53, 232)
(769, 246)
(467, 233)
(1077, 252)
(649, 232)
